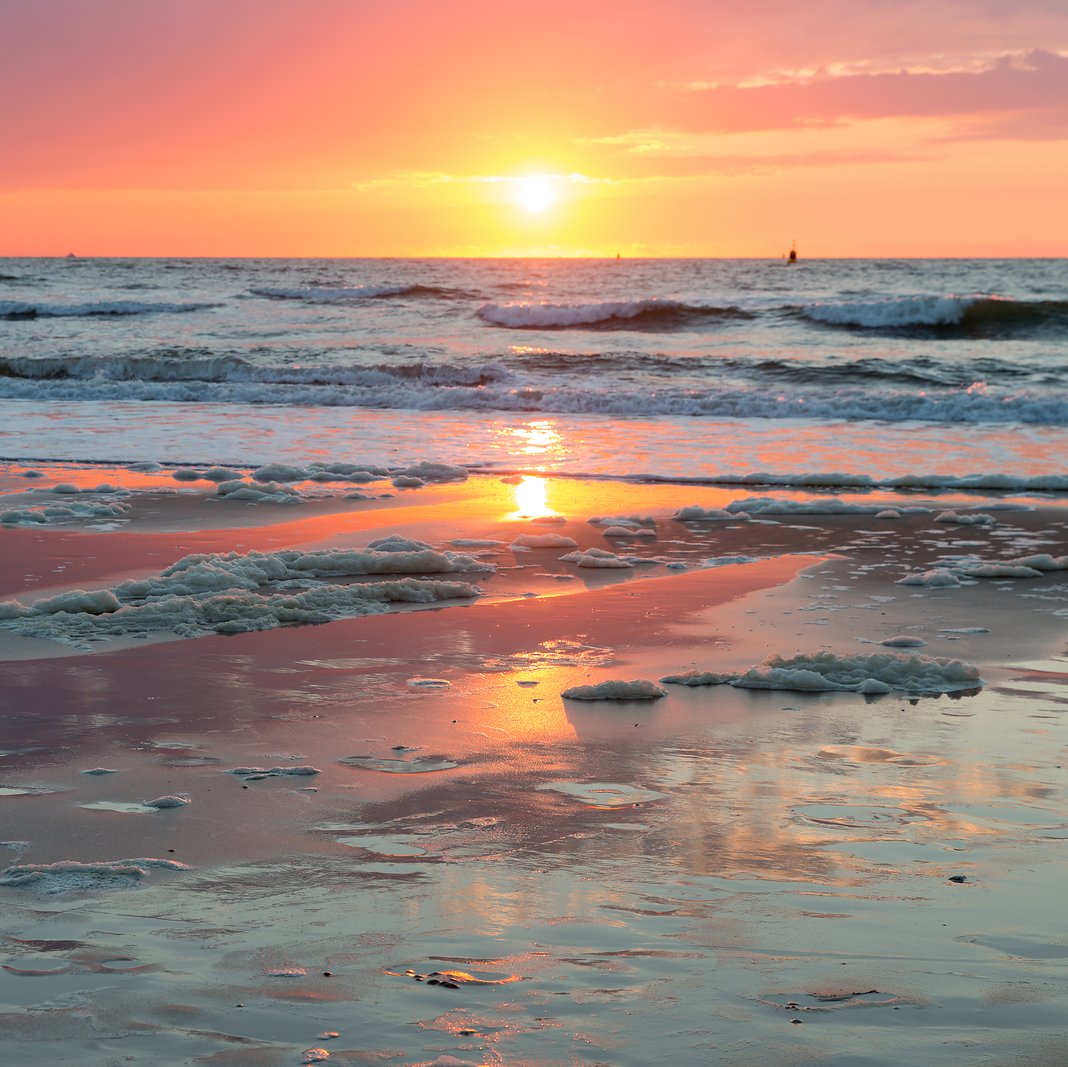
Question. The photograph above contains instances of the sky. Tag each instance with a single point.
(501, 127)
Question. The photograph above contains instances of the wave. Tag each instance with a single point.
(976, 316)
(609, 315)
(921, 370)
(211, 370)
(14, 310)
(341, 294)
(442, 388)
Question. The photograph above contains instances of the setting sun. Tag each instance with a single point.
(536, 194)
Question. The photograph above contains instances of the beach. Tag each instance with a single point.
(390, 837)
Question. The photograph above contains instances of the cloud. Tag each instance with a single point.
(1035, 81)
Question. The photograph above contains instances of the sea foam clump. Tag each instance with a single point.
(637, 689)
(964, 518)
(936, 578)
(70, 876)
(59, 514)
(696, 513)
(596, 557)
(827, 672)
(262, 493)
(234, 593)
(832, 505)
(623, 520)
(951, 577)
(546, 540)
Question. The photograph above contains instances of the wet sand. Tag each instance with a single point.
(485, 872)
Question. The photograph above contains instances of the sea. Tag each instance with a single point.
(926, 371)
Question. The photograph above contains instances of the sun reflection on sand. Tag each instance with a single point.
(532, 499)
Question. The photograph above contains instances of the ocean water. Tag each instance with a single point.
(675, 368)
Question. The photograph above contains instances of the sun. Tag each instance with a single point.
(535, 194)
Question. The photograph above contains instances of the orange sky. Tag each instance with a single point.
(403, 127)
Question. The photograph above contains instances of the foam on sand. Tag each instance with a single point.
(825, 671)
(832, 505)
(965, 518)
(546, 540)
(235, 593)
(951, 577)
(58, 514)
(637, 689)
(167, 802)
(71, 876)
(696, 513)
(597, 557)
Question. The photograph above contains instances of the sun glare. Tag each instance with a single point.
(535, 194)
(531, 497)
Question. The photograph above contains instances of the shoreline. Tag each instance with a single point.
(773, 854)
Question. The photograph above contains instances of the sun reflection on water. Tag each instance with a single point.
(537, 438)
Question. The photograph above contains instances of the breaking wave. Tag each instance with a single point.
(204, 371)
(980, 316)
(14, 310)
(610, 315)
(446, 388)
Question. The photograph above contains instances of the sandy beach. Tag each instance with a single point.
(391, 839)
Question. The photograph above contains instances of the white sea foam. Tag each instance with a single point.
(594, 557)
(936, 578)
(71, 876)
(232, 593)
(892, 312)
(378, 389)
(17, 309)
(965, 518)
(826, 671)
(831, 505)
(903, 641)
(546, 540)
(696, 513)
(637, 689)
(274, 772)
(558, 316)
(261, 493)
(167, 802)
(622, 520)
(951, 576)
(65, 514)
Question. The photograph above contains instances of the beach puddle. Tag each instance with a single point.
(420, 765)
(189, 761)
(27, 791)
(858, 816)
(832, 1000)
(382, 846)
(605, 794)
(863, 754)
(120, 806)
(1021, 948)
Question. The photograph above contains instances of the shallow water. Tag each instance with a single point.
(556, 882)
